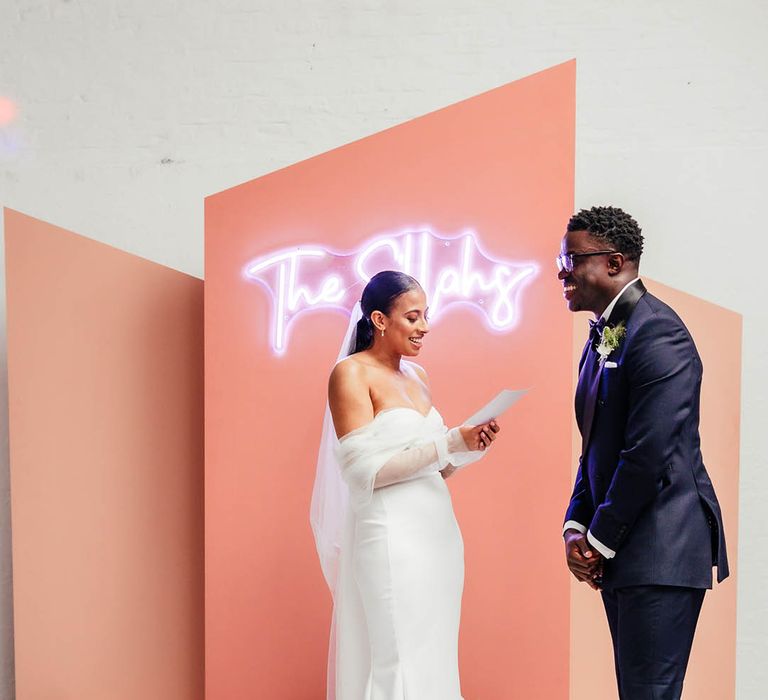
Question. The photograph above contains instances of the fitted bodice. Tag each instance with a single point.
(393, 418)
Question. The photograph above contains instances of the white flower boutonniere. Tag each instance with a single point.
(610, 339)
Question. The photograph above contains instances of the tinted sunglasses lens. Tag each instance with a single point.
(564, 263)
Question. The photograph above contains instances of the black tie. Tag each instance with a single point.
(595, 332)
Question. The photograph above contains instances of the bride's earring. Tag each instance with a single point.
(382, 332)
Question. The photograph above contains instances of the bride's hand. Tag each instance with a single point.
(478, 437)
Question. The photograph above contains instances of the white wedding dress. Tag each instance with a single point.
(397, 599)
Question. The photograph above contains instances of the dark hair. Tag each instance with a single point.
(380, 295)
(612, 225)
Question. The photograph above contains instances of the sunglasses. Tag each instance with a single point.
(564, 261)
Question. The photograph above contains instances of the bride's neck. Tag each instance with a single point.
(386, 358)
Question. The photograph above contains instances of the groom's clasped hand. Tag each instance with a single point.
(584, 561)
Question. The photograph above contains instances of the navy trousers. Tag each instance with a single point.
(652, 629)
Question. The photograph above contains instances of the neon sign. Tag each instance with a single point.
(451, 271)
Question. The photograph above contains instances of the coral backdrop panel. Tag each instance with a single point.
(105, 371)
(476, 192)
(712, 666)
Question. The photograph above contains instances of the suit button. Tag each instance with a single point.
(600, 402)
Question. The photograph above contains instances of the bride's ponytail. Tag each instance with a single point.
(363, 335)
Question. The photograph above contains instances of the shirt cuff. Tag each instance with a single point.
(599, 546)
(573, 525)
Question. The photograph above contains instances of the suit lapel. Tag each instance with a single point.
(581, 388)
(627, 303)
(589, 381)
(589, 377)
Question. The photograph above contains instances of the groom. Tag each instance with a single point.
(643, 524)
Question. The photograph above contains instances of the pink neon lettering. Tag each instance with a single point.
(452, 271)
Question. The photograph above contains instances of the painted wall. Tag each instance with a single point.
(130, 112)
(481, 165)
(106, 413)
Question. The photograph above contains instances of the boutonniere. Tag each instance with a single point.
(610, 339)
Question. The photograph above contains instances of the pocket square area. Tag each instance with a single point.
(610, 365)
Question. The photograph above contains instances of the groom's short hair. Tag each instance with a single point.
(612, 225)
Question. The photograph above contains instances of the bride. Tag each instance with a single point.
(388, 540)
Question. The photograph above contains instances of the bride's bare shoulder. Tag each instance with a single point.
(349, 395)
(349, 366)
(348, 373)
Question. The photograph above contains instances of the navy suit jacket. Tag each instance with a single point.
(641, 487)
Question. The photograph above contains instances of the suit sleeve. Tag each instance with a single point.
(580, 508)
(664, 371)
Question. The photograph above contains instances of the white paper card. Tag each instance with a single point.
(494, 408)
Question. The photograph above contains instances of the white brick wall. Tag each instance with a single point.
(130, 111)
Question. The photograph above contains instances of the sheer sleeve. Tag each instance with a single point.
(368, 463)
